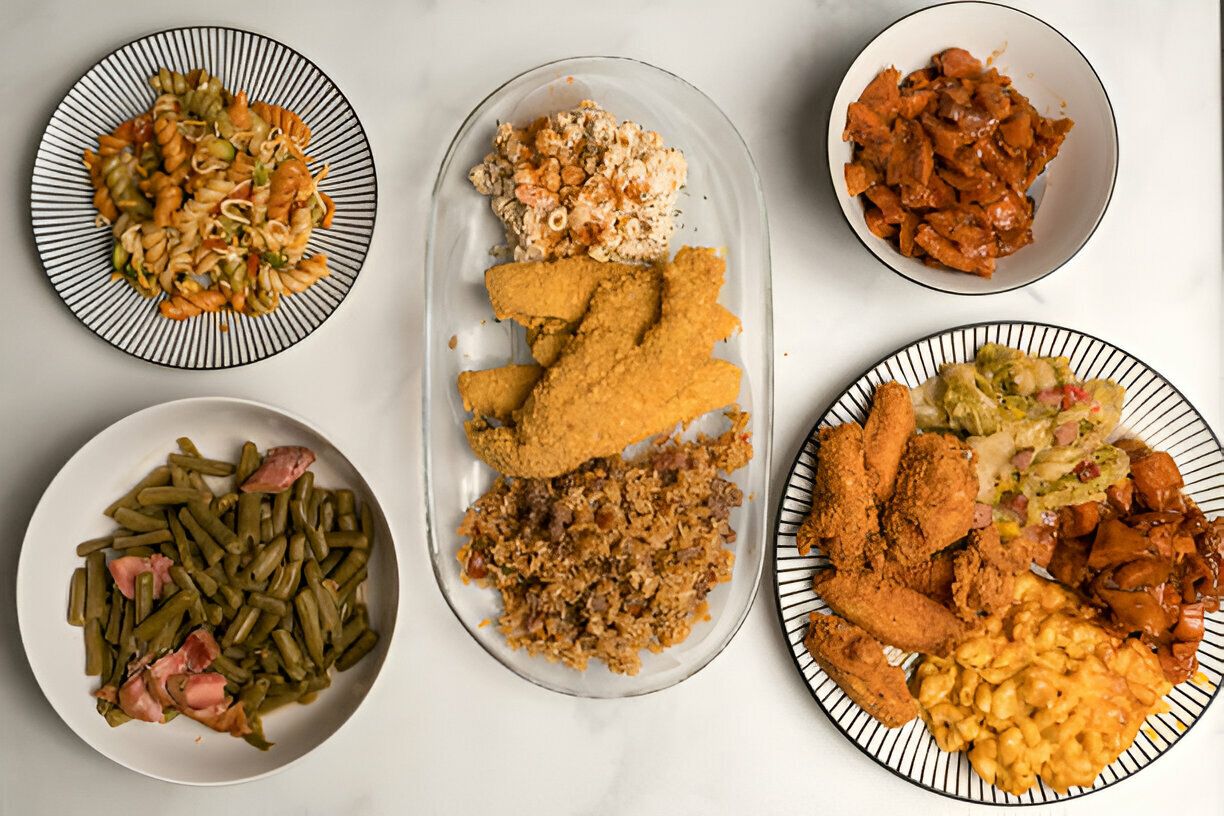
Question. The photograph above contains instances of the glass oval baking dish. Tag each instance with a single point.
(722, 206)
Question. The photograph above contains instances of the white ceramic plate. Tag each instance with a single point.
(722, 206)
(1153, 410)
(1073, 192)
(71, 512)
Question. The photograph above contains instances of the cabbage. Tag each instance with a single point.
(994, 465)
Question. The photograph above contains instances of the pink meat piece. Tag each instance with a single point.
(201, 649)
(197, 692)
(983, 515)
(126, 569)
(137, 702)
(1023, 459)
(1065, 433)
(281, 468)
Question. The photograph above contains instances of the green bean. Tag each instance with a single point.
(196, 482)
(169, 714)
(290, 575)
(312, 506)
(139, 522)
(248, 463)
(358, 650)
(93, 545)
(252, 697)
(297, 513)
(94, 647)
(248, 521)
(349, 588)
(208, 467)
(268, 559)
(115, 716)
(168, 549)
(290, 653)
(367, 523)
(358, 623)
(127, 639)
(240, 626)
(303, 486)
(347, 523)
(233, 597)
(168, 635)
(156, 478)
(232, 671)
(329, 615)
(271, 703)
(185, 555)
(182, 580)
(96, 585)
(353, 540)
(115, 619)
(222, 504)
(165, 614)
(206, 583)
(297, 548)
(169, 589)
(344, 502)
(308, 616)
(208, 547)
(327, 515)
(280, 511)
(178, 477)
(219, 532)
(187, 446)
(318, 542)
(355, 560)
(317, 682)
(76, 598)
(168, 494)
(264, 626)
(144, 596)
(142, 539)
(329, 563)
(266, 531)
(267, 603)
(139, 552)
(213, 614)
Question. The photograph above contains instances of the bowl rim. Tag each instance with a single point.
(765, 390)
(1113, 120)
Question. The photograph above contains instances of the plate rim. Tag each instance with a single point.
(1113, 181)
(177, 404)
(777, 534)
(33, 168)
(431, 522)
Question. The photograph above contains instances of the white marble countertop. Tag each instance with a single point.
(447, 729)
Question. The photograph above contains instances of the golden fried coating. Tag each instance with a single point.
(890, 612)
(843, 515)
(608, 390)
(534, 291)
(547, 343)
(888, 428)
(497, 392)
(932, 578)
(855, 660)
(932, 502)
(985, 573)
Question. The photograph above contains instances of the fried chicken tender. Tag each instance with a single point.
(932, 502)
(885, 434)
(892, 613)
(535, 292)
(497, 392)
(843, 517)
(608, 390)
(855, 660)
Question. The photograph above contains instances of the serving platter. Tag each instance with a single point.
(1154, 410)
(70, 512)
(722, 206)
(75, 248)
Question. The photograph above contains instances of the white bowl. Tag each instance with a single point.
(1073, 192)
(71, 512)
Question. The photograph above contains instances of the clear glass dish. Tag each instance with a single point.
(722, 206)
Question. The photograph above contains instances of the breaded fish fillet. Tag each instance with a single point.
(932, 502)
(855, 660)
(843, 515)
(894, 614)
(607, 391)
(887, 430)
(497, 392)
(533, 291)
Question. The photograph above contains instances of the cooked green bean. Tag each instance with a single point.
(349, 588)
(264, 626)
(142, 539)
(303, 486)
(346, 569)
(187, 446)
(233, 597)
(93, 545)
(344, 502)
(308, 617)
(96, 585)
(291, 574)
(114, 620)
(248, 521)
(140, 551)
(165, 614)
(156, 478)
(76, 598)
(169, 634)
(144, 596)
(248, 462)
(267, 603)
(352, 540)
(329, 563)
(367, 523)
(178, 477)
(94, 647)
(280, 511)
(240, 626)
(209, 548)
(139, 522)
(267, 559)
(214, 614)
(115, 716)
(347, 523)
(318, 542)
(297, 548)
(208, 467)
(220, 533)
(290, 653)
(327, 515)
(297, 513)
(186, 553)
(357, 623)
(206, 583)
(168, 549)
(312, 506)
(271, 703)
(168, 494)
(222, 504)
(232, 671)
(358, 650)
(329, 615)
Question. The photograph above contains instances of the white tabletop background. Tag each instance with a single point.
(447, 729)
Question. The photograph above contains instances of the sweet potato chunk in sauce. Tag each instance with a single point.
(944, 158)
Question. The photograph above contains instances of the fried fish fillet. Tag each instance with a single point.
(855, 660)
(532, 292)
(497, 392)
(843, 517)
(607, 390)
(892, 613)
(888, 428)
(932, 502)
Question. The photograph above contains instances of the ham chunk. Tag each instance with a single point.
(126, 569)
(280, 469)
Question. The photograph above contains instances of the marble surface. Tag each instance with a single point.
(448, 730)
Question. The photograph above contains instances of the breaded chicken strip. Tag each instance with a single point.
(932, 503)
(843, 515)
(534, 291)
(887, 430)
(892, 613)
(497, 392)
(855, 660)
(607, 390)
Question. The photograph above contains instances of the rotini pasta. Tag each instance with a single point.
(210, 199)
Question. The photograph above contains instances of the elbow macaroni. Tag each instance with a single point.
(1044, 692)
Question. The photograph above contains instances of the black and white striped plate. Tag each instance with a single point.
(76, 253)
(1154, 410)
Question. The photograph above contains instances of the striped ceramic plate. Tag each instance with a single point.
(1154, 410)
(76, 253)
